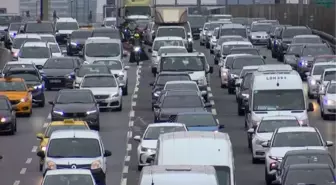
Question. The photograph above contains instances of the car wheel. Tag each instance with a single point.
(15, 127)
(207, 45)
(324, 116)
(140, 168)
(42, 103)
(268, 178)
(254, 160)
(249, 144)
(230, 90)
(40, 167)
(120, 107)
(241, 112)
(12, 130)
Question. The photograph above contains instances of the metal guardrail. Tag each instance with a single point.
(326, 37)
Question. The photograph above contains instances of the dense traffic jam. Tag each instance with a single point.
(89, 68)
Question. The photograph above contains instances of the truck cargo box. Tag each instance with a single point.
(171, 15)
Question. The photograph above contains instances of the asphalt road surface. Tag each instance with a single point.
(20, 163)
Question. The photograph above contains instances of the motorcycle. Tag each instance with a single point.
(137, 54)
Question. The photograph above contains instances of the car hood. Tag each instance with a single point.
(196, 75)
(104, 90)
(92, 59)
(259, 33)
(203, 128)
(287, 40)
(307, 58)
(265, 136)
(31, 84)
(331, 97)
(316, 77)
(174, 111)
(73, 161)
(5, 113)
(235, 71)
(75, 107)
(65, 31)
(36, 61)
(149, 143)
(298, 114)
(14, 95)
(281, 151)
(57, 72)
(116, 71)
(78, 41)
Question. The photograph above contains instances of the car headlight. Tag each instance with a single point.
(150, 150)
(304, 122)
(73, 43)
(157, 93)
(312, 82)
(91, 112)
(246, 95)
(224, 73)
(259, 141)
(95, 165)
(136, 49)
(58, 112)
(4, 120)
(44, 148)
(115, 95)
(329, 102)
(51, 165)
(38, 86)
(303, 63)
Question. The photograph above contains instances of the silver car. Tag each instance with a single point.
(328, 100)
(119, 70)
(259, 33)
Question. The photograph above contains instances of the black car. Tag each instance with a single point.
(243, 95)
(245, 50)
(63, 30)
(106, 32)
(76, 104)
(285, 36)
(38, 27)
(160, 82)
(7, 116)
(272, 39)
(60, 72)
(196, 23)
(305, 59)
(77, 40)
(174, 102)
(32, 78)
(237, 65)
(309, 156)
(290, 55)
(313, 174)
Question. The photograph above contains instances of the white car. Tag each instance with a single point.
(148, 142)
(48, 38)
(55, 50)
(69, 176)
(328, 100)
(20, 39)
(264, 130)
(119, 70)
(213, 40)
(37, 52)
(184, 85)
(76, 149)
(102, 49)
(165, 50)
(105, 88)
(327, 76)
(290, 138)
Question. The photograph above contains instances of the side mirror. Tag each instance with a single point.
(207, 105)
(310, 107)
(107, 153)
(86, 62)
(221, 126)
(329, 143)
(126, 67)
(151, 84)
(137, 138)
(103, 25)
(307, 73)
(149, 50)
(14, 107)
(238, 82)
(276, 182)
(265, 144)
(39, 136)
(21, 31)
(264, 57)
(57, 31)
(251, 131)
(296, 55)
(39, 67)
(41, 154)
(211, 69)
(51, 102)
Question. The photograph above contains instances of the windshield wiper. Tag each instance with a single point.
(78, 102)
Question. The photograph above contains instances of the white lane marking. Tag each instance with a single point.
(49, 116)
(133, 103)
(17, 182)
(23, 171)
(212, 102)
(135, 96)
(130, 123)
(34, 149)
(210, 95)
(127, 158)
(124, 181)
(129, 147)
(125, 170)
(214, 112)
(45, 124)
(29, 160)
(129, 134)
(136, 89)
(131, 115)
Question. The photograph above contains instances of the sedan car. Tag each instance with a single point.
(226, 38)
(89, 69)
(328, 101)
(259, 33)
(76, 41)
(55, 50)
(247, 50)
(8, 116)
(78, 104)
(184, 85)
(69, 176)
(198, 121)
(290, 55)
(307, 39)
(148, 141)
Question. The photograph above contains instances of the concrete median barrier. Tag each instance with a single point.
(5, 56)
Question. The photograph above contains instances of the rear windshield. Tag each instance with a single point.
(234, 31)
(290, 33)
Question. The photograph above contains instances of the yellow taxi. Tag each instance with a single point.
(18, 94)
(58, 125)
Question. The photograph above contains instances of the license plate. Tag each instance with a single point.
(55, 81)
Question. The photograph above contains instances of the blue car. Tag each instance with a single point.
(198, 121)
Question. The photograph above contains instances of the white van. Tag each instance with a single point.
(178, 175)
(197, 148)
(102, 49)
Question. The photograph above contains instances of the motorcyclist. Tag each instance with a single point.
(136, 46)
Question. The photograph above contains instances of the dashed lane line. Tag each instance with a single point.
(23, 171)
(34, 149)
(17, 182)
(29, 160)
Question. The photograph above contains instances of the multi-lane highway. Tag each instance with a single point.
(20, 163)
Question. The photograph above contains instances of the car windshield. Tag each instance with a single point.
(182, 102)
(309, 159)
(181, 86)
(3, 104)
(14, 26)
(110, 23)
(246, 71)
(19, 41)
(12, 86)
(81, 34)
(172, 50)
(309, 176)
(294, 49)
(325, 59)
(67, 26)
(183, 63)
(53, 128)
(275, 100)
(99, 81)
(39, 28)
(319, 69)
(245, 51)
(27, 76)
(102, 49)
(261, 27)
(271, 125)
(247, 81)
(59, 63)
(329, 76)
(54, 48)
(113, 34)
(163, 79)
(197, 21)
(296, 139)
(18, 65)
(223, 175)
(292, 32)
(234, 31)
(154, 132)
(34, 52)
(87, 69)
(48, 39)
(112, 64)
(67, 179)
(226, 49)
(239, 63)
(194, 120)
(304, 40)
(74, 148)
(228, 39)
(159, 43)
(316, 50)
(171, 32)
(74, 97)
(332, 89)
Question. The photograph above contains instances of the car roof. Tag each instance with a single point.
(309, 166)
(306, 36)
(181, 93)
(250, 67)
(237, 43)
(74, 90)
(183, 54)
(168, 124)
(67, 122)
(261, 23)
(274, 67)
(284, 117)
(315, 44)
(230, 36)
(168, 47)
(35, 44)
(75, 134)
(330, 69)
(296, 129)
(61, 58)
(137, 17)
(167, 38)
(160, 169)
(326, 56)
(245, 48)
(166, 73)
(248, 56)
(104, 29)
(46, 35)
(86, 30)
(68, 171)
(99, 75)
(296, 27)
(66, 19)
(110, 18)
(306, 151)
(181, 82)
(28, 35)
(232, 26)
(21, 69)
(234, 55)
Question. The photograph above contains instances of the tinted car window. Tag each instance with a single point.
(292, 32)
(39, 28)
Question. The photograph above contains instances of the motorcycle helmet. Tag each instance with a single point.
(136, 35)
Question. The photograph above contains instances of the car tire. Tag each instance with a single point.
(12, 130)
(323, 116)
(230, 90)
(241, 112)
(268, 178)
(249, 144)
(207, 45)
(140, 168)
(310, 96)
(15, 127)
(125, 90)
(42, 103)
(201, 44)
(120, 107)
(254, 160)
(40, 167)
